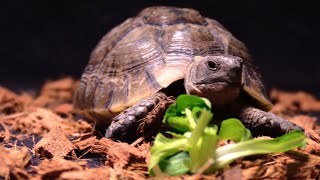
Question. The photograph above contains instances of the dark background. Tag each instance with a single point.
(47, 40)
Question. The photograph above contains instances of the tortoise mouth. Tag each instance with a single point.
(227, 81)
(219, 82)
(217, 86)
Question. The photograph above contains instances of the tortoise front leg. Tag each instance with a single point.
(142, 119)
(265, 123)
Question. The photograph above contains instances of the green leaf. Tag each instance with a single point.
(171, 112)
(204, 149)
(176, 165)
(179, 124)
(160, 139)
(226, 154)
(178, 136)
(202, 122)
(190, 118)
(178, 115)
(196, 112)
(164, 147)
(189, 101)
(233, 129)
(202, 142)
(186, 101)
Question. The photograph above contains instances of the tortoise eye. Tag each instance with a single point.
(211, 65)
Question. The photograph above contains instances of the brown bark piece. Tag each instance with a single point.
(293, 101)
(53, 144)
(5, 134)
(101, 174)
(313, 142)
(41, 121)
(265, 172)
(12, 162)
(2, 136)
(300, 165)
(85, 143)
(9, 102)
(119, 155)
(56, 92)
(89, 174)
(51, 169)
(234, 173)
(144, 148)
(291, 165)
(306, 122)
(64, 109)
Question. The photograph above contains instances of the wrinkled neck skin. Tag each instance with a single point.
(217, 78)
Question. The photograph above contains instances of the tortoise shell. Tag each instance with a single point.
(148, 52)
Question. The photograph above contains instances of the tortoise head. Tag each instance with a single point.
(221, 79)
(218, 78)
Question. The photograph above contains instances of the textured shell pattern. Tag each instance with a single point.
(150, 51)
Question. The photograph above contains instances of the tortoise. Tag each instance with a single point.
(166, 51)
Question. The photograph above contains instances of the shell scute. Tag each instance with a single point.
(191, 40)
(163, 16)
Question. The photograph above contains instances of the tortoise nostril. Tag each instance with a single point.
(240, 61)
(211, 65)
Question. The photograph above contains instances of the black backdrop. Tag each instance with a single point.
(46, 40)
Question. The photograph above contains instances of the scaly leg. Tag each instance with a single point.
(144, 118)
(265, 123)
